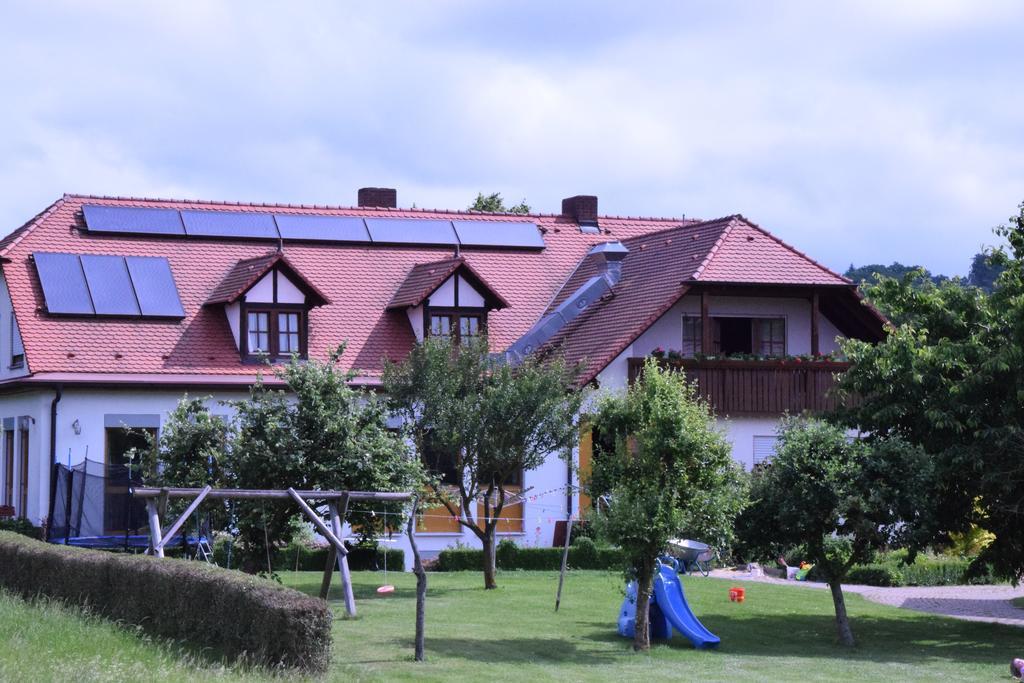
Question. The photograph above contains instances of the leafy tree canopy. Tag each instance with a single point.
(494, 203)
(317, 433)
(488, 420)
(983, 273)
(950, 378)
(669, 473)
(838, 500)
(871, 273)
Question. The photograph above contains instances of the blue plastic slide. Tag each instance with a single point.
(668, 592)
(669, 610)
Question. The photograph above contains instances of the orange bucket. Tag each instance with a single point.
(737, 594)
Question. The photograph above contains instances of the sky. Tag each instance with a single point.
(861, 132)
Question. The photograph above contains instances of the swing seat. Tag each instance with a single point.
(386, 589)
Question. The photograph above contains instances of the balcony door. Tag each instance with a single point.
(120, 442)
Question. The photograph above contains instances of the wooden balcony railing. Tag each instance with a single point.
(759, 387)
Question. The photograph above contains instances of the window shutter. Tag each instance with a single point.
(764, 448)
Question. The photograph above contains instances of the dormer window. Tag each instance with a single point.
(267, 303)
(459, 324)
(274, 331)
(446, 299)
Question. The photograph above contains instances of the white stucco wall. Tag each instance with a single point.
(233, 312)
(10, 336)
(263, 290)
(287, 292)
(94, 409)
(445, 294)
(416, 320)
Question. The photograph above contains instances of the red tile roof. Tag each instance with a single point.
(248, 272)
(365, 283)
(359, 280)
(747, 253)
(424, 279)
(660, 268)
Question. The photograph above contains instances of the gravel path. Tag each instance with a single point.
(973, 603)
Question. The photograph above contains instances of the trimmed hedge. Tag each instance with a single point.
(314, 558)
(234, 614)
(583, 555)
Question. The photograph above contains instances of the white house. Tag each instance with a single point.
(112, 308)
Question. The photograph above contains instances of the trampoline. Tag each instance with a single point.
(92, 506)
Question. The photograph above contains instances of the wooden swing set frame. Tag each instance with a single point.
(337, 505)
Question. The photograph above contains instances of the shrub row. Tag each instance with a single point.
(314, 558)
(582, 555)
(231, 613)
(22, 526)
(926, 570)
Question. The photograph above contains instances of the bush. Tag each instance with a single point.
(232, 613)
(460, 560)
(21, 526)
(875, 575)
(927, 570)
(314, 558)
(584, 555)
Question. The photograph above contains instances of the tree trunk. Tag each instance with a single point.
(644, 581)
(842, 621)
(421, 585)
(490, 558)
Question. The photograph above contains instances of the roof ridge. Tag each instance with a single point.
(692, 224)
(714, 247)
(790, 247)
(375, 209)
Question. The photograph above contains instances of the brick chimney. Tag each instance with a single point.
(583, 209)
(384, 197)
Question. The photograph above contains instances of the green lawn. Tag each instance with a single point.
(779, 633)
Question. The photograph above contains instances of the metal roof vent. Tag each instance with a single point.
(590, 291)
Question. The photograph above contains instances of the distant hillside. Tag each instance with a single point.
(982, 274)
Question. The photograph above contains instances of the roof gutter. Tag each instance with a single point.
(58, 393)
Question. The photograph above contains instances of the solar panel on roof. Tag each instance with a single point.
(109, 284)
(498, 234)
(63, 282)
(229, 224)
(411, 231)
(126, 219)
(154, 286)
(325, 228)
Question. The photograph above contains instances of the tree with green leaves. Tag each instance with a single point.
(483, 420)
(949, 378)
(191, 449)
(668, 466)
(317, 432)
(839, 501)
(984, 271)
(494, 203)
(263, 455)
(871, 273)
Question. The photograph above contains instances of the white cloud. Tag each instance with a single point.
(859, 131)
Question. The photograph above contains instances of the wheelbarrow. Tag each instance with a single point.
(692, 555)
